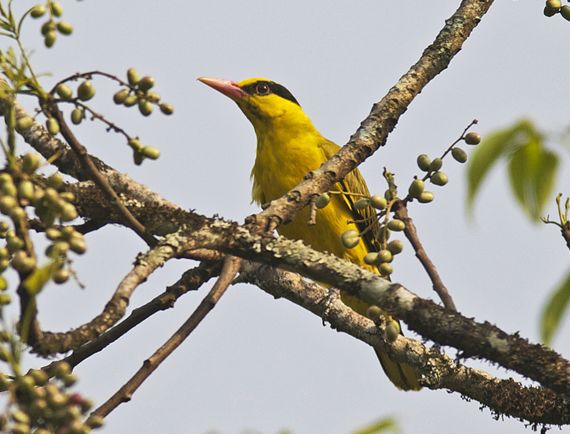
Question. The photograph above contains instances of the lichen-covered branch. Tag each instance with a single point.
(438, 371)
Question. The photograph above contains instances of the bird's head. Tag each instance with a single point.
(264, 102)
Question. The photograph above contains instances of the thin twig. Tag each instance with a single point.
(229, 270)
(99, 179)
(412, 236)
(191, 280)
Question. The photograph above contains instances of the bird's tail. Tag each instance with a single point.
(402, 375)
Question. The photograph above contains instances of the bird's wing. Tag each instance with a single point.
(355, 183)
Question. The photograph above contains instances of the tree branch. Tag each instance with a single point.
(229, 270)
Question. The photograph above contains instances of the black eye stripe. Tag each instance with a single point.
(275, 88)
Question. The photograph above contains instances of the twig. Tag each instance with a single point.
(313, 212)
(49, 343)
(229, 270)
(412, 236)
(191, 280)
(99, 179)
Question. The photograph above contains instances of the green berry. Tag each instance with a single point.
(166, 108)
(61, 276)
(120, 96)
(85, 91)
(396, 225)
(56, 9)
(472, 138)
(435, 164)
(439, 178)
(64, 91)
(136, 145)
(145, 107)
(130, 100)
(48, 26)
(549, 12)
(133, 76)
(7, 203)
(392, 330)
(64, 28)
(459, 154)
(371, 258)
(323, 200)
(350, 239)
(55, 181)
(554, 4)
(26, 189)
(395, 247)
(31, 162)
(50, 38)
(423, 162)
(362, 203)
(78, 245)
(153, 96)
(52, 126)
(138, 158)
(385, 269)
(385, 255)
(68, 212)
(77, 115)
(378, 202)
(146, 83)
(3, 283)
(38, 11)
(22, 262)
(565, 12)
(426, 197)
(150, 152)
(24, 123)
(95, 421)
(416, 187)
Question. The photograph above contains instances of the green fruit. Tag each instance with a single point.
(4, 264)
(385, 255)
(396, 225)
(392, 330)
(50, 38)
(68, 196)
(3, 283)
(31, 162)
(17, 213)
(56, 9)
(5, 299)
(38, 11)
(565, 12)
(48, 26)
(138, 158)
(323, 200)
(439, 178)
(22, 262)
(426, 197)
(136, 145)
(77, 115)
(472, 138)
(26, 190)
(549, 12)
(459, 154)
(61, 276)
(7, 204)
(166, 108)
(371, 258)
(385, 268)
(146, 83)
(362, 203)
(4, 253)
(423, 162)
(435, 165)
(153, 96)
(554, 4)
(130, 100)
(395, 247)
(350, 239)
(133, 76)
(14, 244)
(68, 212)
(145, 107)
(64, 91)
(9, 189)
(85, 91)
(416, 187)
(53, 234)
(61, 369)
(378, 202)
(55, 181)
(95, 421)
(78, 245)
(52, 126)
(40, 377)
(24, 123)
(64, 28)
(150, 152)
(120, 96)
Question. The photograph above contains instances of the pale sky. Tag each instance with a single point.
(260, 364)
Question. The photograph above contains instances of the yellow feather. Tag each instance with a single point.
(288, 147)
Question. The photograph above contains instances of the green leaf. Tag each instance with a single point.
(386, 424)
(532, 171)
(554, 310)
(496, 145)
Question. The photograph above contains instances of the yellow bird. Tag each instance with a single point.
(288, 147)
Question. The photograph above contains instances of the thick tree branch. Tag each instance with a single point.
(229, 270)
(438, 371)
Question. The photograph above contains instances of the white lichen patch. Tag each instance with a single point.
(498, 343)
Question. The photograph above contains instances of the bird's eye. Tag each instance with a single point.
(262, 89)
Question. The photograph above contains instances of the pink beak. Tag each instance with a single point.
(228, 88)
